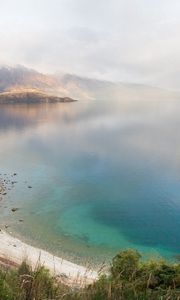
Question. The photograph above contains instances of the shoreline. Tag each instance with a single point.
(14, 251)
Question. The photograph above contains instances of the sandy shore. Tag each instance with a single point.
(15, 251)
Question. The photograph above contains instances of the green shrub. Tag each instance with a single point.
(125, 264)
(128, 279)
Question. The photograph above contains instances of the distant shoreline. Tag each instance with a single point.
(31, 96)
(14, 251)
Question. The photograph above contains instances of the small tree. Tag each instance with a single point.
(125, 264)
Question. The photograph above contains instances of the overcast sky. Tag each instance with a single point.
(123, 40)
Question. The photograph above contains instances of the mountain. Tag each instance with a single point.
(23, 77)
(17, 78)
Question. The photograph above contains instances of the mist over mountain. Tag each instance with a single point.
(67, 85)
(17, 77)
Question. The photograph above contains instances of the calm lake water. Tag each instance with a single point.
(105, 176)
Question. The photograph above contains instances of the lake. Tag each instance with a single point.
(105, 176)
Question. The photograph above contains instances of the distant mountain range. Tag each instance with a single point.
(20, 78)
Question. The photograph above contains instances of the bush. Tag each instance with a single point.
(128, 279)
(125, 264)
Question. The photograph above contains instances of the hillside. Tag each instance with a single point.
(77, 87)
(30, 96)
(127, 279)
(24, 77)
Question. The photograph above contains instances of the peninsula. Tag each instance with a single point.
(30, 96)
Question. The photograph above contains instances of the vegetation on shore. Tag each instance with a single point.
(30, 96)
(129, 278)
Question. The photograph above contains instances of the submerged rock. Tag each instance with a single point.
(14, 209)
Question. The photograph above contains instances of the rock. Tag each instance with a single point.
(14, 209)
(63, 275)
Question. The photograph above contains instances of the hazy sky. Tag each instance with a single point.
(124, 40)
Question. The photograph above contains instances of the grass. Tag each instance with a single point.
(128, 278)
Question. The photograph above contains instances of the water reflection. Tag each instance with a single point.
(104, 174)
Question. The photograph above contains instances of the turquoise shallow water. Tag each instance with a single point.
(105, 176)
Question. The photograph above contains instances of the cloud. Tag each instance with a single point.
(127, 40)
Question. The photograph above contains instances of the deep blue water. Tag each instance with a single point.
(105, 176)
